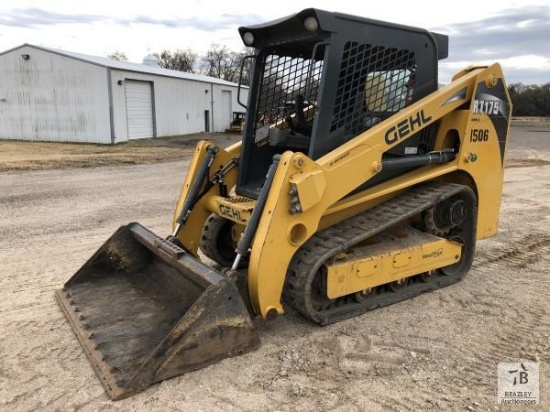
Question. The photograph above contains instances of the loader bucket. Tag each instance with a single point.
(144, 310)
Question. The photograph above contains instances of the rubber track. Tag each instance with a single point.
(340, 237)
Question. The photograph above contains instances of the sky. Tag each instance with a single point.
(515, 33)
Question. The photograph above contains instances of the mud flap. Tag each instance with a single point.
(144, 310)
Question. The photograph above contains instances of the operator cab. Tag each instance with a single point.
(320, 79)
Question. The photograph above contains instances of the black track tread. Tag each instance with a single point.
(209, 241)
(340, 237)
(208, 238)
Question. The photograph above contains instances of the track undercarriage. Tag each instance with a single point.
(435, 210)
(306, 280)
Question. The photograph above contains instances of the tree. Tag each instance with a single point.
(118, 56)
(217, 62)
(224, 64)
(182, 60)
(530, 100)
(246, 65)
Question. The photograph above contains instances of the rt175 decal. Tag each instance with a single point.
(490, 107)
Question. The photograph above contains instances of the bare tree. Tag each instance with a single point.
(215, 61)
(246, 64)
(224, 64)
(218, 62)
(117, 55)
(182, 60)
(230, 70)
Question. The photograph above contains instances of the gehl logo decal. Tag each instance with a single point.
(406, 127)
(229, 212)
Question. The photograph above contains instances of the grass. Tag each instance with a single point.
(32, 155)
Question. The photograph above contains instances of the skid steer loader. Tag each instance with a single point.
(358, 184)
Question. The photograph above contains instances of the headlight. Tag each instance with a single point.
(248, 38)
(311, 24)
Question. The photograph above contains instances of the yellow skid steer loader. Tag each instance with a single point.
(358, 183)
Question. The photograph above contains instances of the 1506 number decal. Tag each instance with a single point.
(479, 135)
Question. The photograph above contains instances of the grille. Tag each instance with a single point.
(239, 199)
(284, 78)
(374, 82)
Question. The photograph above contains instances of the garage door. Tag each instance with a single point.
(225, 115)
(139, 109)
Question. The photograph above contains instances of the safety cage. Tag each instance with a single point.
(287, 99)
(316, 86)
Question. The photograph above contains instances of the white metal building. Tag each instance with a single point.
(56, 95)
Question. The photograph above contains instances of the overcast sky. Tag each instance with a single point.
(515, 33)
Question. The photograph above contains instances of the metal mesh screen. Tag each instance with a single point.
(284, 78)
(374, 82)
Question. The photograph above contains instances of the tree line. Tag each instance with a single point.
(530, 100)
(218, 61)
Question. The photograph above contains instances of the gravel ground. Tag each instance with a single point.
(437, 351)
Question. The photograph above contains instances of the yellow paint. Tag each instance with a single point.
(323, 185)
(189, 236)
(234, 208)
(310, 188)
(344, 170)
(393, 264)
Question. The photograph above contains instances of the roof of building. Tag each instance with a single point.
(128, 66)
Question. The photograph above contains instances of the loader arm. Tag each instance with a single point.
(321, 186)
(189, 238)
